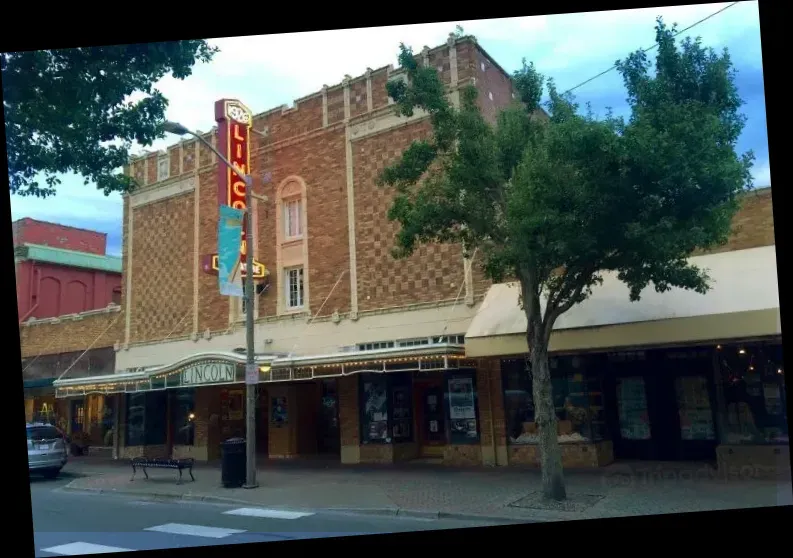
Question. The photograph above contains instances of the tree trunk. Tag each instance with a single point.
(553, 487)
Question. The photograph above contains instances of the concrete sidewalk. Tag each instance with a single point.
(484, 494)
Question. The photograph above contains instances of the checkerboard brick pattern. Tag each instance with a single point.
(433, 273)
(162, 263)
(753, 225)
(68, 335)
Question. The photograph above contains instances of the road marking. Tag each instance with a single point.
(195, 530)
(80, 548)
(269, 514)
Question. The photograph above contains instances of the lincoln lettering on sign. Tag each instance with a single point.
(208, 373)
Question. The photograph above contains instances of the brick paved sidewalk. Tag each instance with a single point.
(618, 490)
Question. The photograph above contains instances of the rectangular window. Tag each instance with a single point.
(755, 394)
(292, 219)
(183, 416)
(461, 405)
(146, 419)
(577, 396)
(136, 419)
(163, 168)
(294, 288)
(374, 409)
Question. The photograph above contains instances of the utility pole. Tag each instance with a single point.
(251, 368)
(250, 361)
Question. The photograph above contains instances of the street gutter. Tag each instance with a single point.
(395, 511)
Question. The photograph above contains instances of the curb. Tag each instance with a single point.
(395, 512)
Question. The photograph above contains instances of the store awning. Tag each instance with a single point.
(220, 368)
(38, 383)
(742, 304)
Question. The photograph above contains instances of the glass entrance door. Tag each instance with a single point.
(430, 417)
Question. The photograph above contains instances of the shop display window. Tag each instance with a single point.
(577, 395)
(755, 396)
(386, 408)
(462, 405)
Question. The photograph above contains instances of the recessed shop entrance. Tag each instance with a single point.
(430, 416)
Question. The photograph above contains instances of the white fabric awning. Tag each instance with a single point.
(743, 303)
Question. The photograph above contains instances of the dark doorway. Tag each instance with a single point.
(328, 435)
(661, 405)
(262, 422)
(78, 416)
(431, 431)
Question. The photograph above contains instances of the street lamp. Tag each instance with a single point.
(250, 407)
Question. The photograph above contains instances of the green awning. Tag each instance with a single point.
(39, 383)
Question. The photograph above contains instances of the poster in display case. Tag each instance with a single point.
(694, 410)
(632, 408)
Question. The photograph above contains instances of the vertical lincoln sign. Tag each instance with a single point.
(234, 122)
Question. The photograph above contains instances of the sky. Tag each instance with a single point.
(266, 71)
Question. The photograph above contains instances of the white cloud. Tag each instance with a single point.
(266, 71)
(762, 174)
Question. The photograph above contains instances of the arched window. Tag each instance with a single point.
(291, 246)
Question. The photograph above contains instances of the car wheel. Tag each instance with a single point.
(51, 473)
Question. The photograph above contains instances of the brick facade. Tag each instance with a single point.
(89, 330)
(309, 141)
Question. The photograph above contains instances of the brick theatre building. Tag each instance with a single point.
(364, 358)
(68, 302)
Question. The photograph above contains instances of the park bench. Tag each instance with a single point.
(151, 463)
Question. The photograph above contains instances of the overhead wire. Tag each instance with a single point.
(648, 49)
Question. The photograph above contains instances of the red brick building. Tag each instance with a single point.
(372, 359)
(62, 270)
(65, 280)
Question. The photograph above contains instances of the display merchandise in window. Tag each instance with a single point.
(755, 395)
(577, 395)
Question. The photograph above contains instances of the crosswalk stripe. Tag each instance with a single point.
(195, 530)
(80, 548)
(269, 514)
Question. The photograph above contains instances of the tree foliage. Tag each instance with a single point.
(70, 110)
(556, 199)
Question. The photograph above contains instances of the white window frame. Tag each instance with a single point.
(288, 288)
(287, 204)
(163, 168)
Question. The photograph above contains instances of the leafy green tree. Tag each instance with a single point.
(69, 110)
(555, 200)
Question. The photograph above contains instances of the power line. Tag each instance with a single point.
(648, 49)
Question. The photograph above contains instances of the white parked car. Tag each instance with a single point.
(47, 451)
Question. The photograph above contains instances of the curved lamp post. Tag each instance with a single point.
(250, 407)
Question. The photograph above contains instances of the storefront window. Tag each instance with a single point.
(577, 395)
(183, 416)
(146, 418)
(374, 409)
(462, 406)
(754, 391)
(402, 407)
(106, 422)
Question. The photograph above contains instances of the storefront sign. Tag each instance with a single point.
(234, 122)
(211, 265)
(208, 373)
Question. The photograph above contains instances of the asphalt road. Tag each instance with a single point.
(72, 523)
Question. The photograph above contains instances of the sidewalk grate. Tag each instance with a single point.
(573, 503)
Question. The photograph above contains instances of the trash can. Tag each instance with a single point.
(233, 466)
